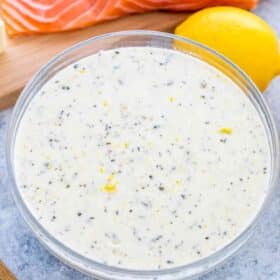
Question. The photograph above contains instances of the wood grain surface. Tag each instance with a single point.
(25, 55)
(5, 274)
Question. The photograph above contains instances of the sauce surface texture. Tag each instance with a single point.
(142, 158)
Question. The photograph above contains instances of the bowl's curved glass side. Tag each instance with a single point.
(125, 39)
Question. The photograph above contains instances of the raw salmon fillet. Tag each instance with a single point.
(43, 16)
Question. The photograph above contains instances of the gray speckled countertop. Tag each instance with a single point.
(259, 259)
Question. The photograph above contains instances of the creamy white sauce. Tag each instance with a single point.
(142, 158)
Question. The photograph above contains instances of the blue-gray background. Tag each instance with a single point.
(29, 260)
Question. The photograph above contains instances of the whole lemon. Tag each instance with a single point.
(241, 36)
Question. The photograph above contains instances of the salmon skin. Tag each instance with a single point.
(43, 16)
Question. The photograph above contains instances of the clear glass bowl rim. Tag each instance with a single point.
(94, 268)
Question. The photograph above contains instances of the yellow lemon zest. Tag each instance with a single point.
(225, 130)
(178, 182)
(126, 145)
(110, 188)
(111, 177)
(171, 99)
(111, 185)
(105, 103)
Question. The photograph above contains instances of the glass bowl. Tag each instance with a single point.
(140, 38)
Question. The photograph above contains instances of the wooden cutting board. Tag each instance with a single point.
(25, 55)
(5, 274)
